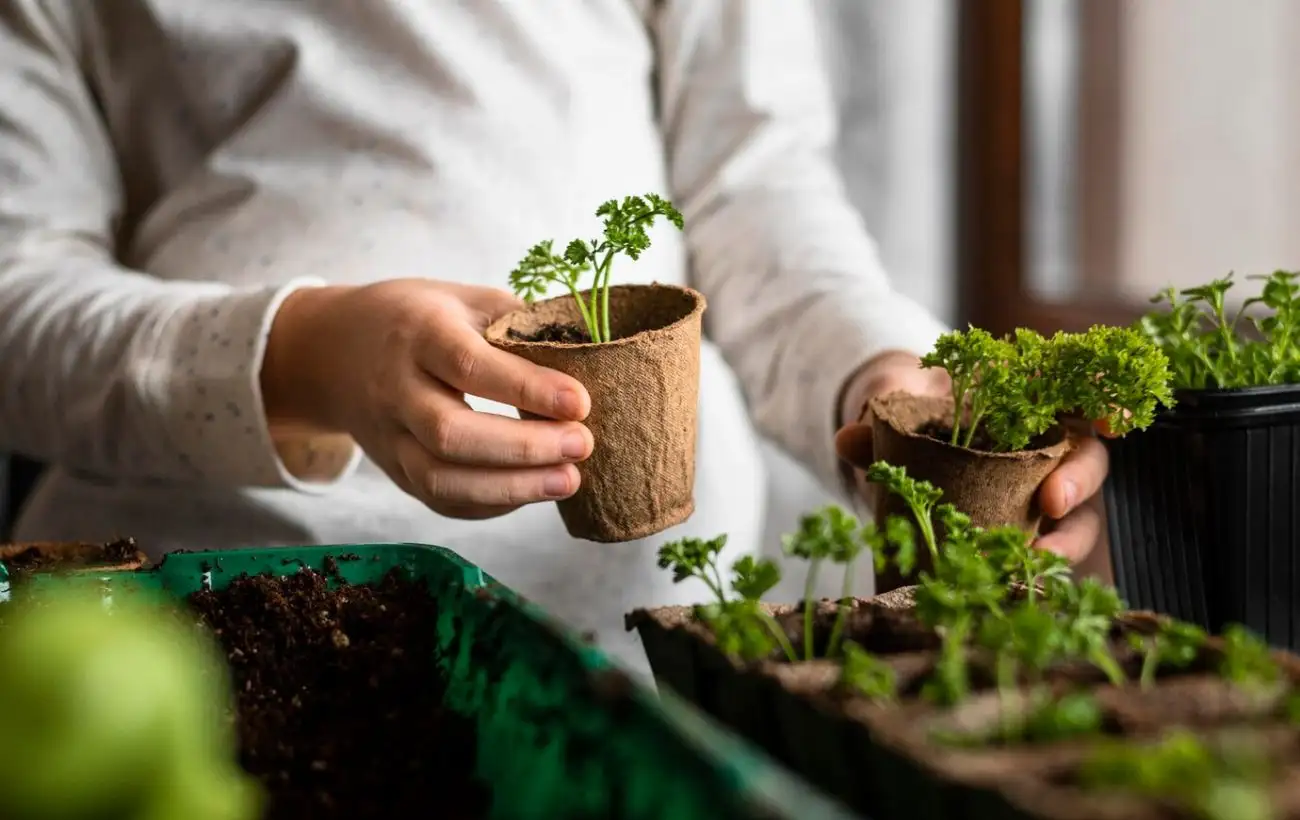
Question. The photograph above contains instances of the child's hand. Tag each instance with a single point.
(390, 364)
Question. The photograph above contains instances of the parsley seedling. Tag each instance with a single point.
(1089, 609)
(1175, 644)
(695, 558)
(741, 627)
(1009, 550)
(950, 683)
(1227, 783)
(867, 674)
(1207, 347)
(1017, 388)
(919, 496)
(829, 534)
(1247, 661)
(1040, 719)
(626, 232)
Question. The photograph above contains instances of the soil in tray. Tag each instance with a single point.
(339, 703)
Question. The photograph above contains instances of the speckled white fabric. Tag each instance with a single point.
(170, 169)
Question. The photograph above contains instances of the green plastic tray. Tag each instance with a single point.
(559, 736)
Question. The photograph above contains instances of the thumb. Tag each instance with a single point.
(853, 444)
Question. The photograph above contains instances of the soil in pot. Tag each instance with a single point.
(339, 702)
(644, 388)
(71, 556)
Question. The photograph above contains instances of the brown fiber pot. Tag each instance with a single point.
(644, 387)
(994, 489)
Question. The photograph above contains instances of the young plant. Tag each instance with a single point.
(829, 534)
(1175, 644)
(896, 543)
(1207, 348)
(696, 558)
(977, 363)
(963, 585)
(950, 683)
(868, 675)
(741, 627)
(1017, 388)
(1017, 560)
(626, 232)
(919, 496)
(1041, 718)
(1247, 661)
(1056, 719)
(1027, 638)
(1226, 783)
(1089, 609)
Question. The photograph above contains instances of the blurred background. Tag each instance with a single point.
(1051, 163)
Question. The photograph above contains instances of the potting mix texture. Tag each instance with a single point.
(339, 704)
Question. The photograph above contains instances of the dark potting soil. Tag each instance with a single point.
(60, 556)
(555, 333)
(339, 705)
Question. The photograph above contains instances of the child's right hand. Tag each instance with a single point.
(389, 364)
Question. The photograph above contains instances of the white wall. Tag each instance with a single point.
(891, 64)
(1210, 158)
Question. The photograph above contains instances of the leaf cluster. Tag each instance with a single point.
(990, 594)
(1209, 347)
(1227, 781)
(1014, 389)
(626, 231)
(742, 628)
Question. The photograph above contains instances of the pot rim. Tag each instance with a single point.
(495, 332)
(1054, 450)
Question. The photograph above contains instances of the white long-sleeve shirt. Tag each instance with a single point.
(171, 169)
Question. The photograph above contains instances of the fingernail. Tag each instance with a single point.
(573, 445)
(568, 403)
(556, 485)
(1070, 493)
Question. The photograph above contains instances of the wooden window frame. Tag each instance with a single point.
(994, 290)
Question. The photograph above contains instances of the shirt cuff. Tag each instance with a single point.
(206, 390)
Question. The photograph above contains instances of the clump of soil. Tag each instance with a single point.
(24, 559)
(553, 332)
(339, 704)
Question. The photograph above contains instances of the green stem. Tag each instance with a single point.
(722, 585)
(958, 407)
(926, 526)
(808, 607)
(1150, 662)
(846, 593)
(779, 634)
(592, 329)
(1103, 660)
(976, 417)
(598, 268)
(604, 296)
(703, 575)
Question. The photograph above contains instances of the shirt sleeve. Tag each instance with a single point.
(798, 298)
(104, 370)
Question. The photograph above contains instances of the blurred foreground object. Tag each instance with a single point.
(115, 713)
